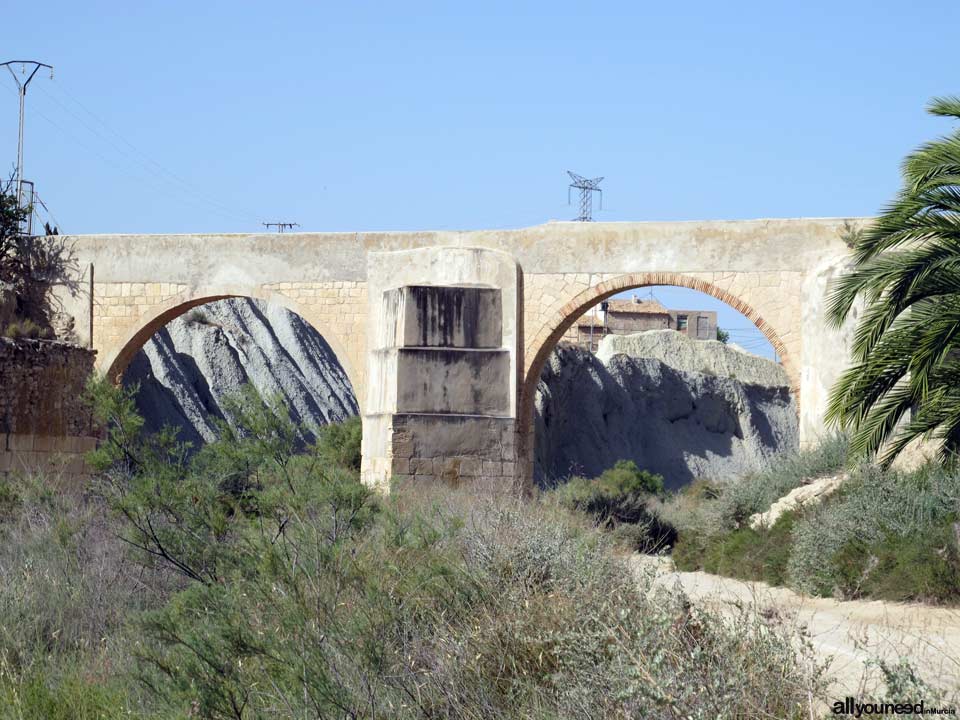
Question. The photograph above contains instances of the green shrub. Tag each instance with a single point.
(876, 515)
(340, 443)
(198, 317)
(27, 329)
(68, 591)
(619, 500)
(919, 567)
(9, 497)
(689, 551)
(618, 494)
(900, 567)
(884, 534)
(476, 610)
(745, 553)
(701, 489)
(756, 493)
(65, 696)
(708, 509)
(305, 595)
(253, 581)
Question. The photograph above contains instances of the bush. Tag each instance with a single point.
(252, 581)
(618, 500)
(303, 595)
(710, 509)
(618, 494)
(745, 553)
(884, 534)
(339, 443)
(32, 266)
(67, 593)
(198, 317)
(756, 493)
(459, 609)
(27, 329)
(881, 526)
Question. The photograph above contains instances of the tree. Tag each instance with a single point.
(723, 335)
(30, 266)
(904, 381)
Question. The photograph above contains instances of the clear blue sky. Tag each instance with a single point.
(214, 116)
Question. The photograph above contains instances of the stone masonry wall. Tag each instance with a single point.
(459, 451)
(336, 309)
(44, 423)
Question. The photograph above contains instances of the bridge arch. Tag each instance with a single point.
(538, 349)
(116, 360)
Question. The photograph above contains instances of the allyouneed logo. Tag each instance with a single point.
(849, 706)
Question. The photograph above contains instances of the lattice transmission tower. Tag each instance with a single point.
(28, 68)
(587, 188)
(281, 226)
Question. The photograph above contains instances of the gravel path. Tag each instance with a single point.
(848, 634)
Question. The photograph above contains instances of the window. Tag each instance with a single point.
(682, 323)
(703, 327)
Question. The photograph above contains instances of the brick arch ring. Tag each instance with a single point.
(550, 333)
(116, 362)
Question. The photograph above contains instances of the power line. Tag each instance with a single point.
(143, 159)
(166, 190)
(155, 175)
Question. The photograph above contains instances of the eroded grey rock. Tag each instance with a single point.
(699, 356)
(188, 368)
(680, 424)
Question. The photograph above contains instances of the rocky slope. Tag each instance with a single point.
(682, 408)
(703, 356)
(187, 369)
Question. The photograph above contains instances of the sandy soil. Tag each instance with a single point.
(848, 634)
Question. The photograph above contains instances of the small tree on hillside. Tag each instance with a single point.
(30, 266)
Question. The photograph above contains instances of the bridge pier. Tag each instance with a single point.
(441, 400)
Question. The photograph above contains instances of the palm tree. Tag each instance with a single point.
(904, 381)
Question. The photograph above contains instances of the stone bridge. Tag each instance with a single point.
(446, 376)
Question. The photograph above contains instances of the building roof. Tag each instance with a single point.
(644, 307)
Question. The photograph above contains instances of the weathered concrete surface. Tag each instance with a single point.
(452, 318)
(682, 425)
(190, 367)
(439, 413)
(774, 271)
(447, 380)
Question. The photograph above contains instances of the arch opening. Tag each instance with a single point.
(191, 359)
(648, 399)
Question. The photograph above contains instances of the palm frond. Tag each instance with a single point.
(904, 381)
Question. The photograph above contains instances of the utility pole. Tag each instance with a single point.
(22, 85)
(281, 226)
(586, 187)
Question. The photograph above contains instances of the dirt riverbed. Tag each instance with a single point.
(848, 634)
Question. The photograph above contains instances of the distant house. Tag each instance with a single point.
(622, 317)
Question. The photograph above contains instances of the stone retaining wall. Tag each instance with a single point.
(44, 424)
